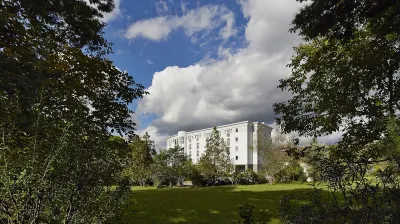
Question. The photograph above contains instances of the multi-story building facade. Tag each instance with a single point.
(241, 138)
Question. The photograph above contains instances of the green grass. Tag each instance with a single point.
(204, 205)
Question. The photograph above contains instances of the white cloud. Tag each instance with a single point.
(159, 139)
(149, 62)
(162, 7)
(240, 86)
(205, 18)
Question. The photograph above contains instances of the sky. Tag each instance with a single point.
(204, 63)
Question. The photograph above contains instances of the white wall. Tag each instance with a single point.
(245, 135)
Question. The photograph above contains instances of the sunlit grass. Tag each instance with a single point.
(204, 205)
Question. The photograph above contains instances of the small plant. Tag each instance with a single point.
(247, 215)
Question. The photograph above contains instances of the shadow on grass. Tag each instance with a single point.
(201, 205)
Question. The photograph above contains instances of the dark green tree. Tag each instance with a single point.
(60, 98)
(216, 162)
(141, 157)
(346, 78)
(171, 166)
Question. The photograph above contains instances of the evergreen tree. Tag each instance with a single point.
(141, 157)
(216, 162)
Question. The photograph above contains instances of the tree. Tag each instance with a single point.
(346, 78)
(60, 98)
(141, 157)
(216, 162)
(172, 166)
(272, 152)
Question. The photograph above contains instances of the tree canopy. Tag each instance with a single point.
(345, 77)
(216, 161)
(60, 100)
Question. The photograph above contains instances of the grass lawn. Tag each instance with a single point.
(204, 205)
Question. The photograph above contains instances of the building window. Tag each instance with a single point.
(237, 148)
(237, 129)
(228, 133)
(237, 157)
(198, 145)
(190, 146)
(237, 139)
(197, 159)
(190, 140)
(190, 153)
(228, 141)
(197, 153)
(181, 140)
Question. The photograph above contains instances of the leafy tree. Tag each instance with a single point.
(216, 162)
(60, 97)
(272, 152)
(291, 171)
(141, 157)
(171, 166)
(346, 77)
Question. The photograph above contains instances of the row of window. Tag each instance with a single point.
(207, 135)
(197, 154)
(197, 137)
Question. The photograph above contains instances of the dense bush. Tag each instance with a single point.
(248, 177)
(291, 172)
(247, 216)
(197, 178)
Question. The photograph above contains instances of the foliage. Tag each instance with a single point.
(292, 171)
(354, 196)
(171, 166)
(216, 162)
(60, 97)
(141, 157)
(197, 178)
(272, 152)
(346, 78)
(247, 177)
(247, 216)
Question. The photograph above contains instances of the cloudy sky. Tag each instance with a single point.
(204, 63)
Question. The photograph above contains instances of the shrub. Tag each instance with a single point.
(197, 178)
(246, 213)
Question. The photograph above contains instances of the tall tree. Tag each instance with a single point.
(172, 166)
(346, 77)
(141, 157)
(60, 97)
(272, 152)
(216, 162)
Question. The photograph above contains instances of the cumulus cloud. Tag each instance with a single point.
(239, 86)
(205, 18)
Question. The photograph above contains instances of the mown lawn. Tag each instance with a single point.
(204, 205)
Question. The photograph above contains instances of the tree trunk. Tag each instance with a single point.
(271, 180)
(170, 184)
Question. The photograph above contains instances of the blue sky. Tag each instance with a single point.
(142, 57)
(204, 63)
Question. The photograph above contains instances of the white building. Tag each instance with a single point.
(241, 139)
